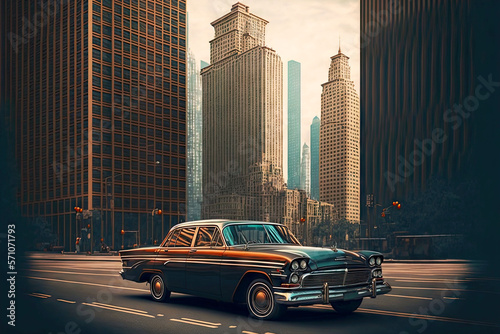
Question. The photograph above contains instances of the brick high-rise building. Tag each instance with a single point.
(97, 94)
(339, 140)
(242, 113)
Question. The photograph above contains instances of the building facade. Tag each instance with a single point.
(194, 140)
(421, 76)
(339, 140)
(98, 98)
(242, 112)
(314, 142)
(305, 170)
(294, 120)
(243, 137)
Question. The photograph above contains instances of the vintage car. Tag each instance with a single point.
(260, 264)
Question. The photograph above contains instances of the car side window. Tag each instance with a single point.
(172, 238)
(185, 237)
(217, 239)
(204, 237)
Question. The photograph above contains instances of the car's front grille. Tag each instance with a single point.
(354, 276)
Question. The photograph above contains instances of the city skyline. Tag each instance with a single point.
(311, 44)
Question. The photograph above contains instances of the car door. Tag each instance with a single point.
(172, 258)
(203, 263)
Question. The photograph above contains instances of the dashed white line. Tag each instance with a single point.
(66, 301)
(120, 307)
(411, 297)
(203, 322)
(85, 283)
(119, 310)
(37, 295)
(194, 323)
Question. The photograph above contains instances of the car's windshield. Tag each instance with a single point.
(240, 234)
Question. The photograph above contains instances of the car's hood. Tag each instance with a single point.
(322, 257)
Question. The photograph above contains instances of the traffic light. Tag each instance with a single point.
(399, 206)
(78, 209)
(88, 226)
(122, 232)
(159, 212)
(383, 214)
(302, 219)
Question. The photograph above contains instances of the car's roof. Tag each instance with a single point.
(219, 222)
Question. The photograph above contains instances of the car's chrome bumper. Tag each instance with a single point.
(307, 296)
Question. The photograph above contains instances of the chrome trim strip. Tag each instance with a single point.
(299, 296)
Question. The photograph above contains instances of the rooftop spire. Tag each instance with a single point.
(339, 45)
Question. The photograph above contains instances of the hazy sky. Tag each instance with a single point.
(306, 31)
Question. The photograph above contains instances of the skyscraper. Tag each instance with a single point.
(314, 135)
(98, 97)
(423, 115)
(305, 169)
(294, 120)
(194, 140)
(339, 140)
(242, 119)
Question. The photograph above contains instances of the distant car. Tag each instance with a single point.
(260, 264)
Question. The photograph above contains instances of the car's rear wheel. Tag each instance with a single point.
(159, 291)
(346, 307)
(261, 303)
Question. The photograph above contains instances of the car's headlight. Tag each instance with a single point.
(295, 265)
(372, 261)
(294, 278)
(378, 260)
(303, 264)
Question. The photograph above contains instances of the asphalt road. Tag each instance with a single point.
(84, 294)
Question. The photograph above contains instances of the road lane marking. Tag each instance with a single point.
(42, 294)
(232, 326)
(66, 301)
(120, 307)
(442, 289)
(248, 332)
(34, 295)
(119, 310)
(86, 283)
(203, 322)
(437, 281)
(426, 317)
(194, 323)
(73, 272)
(160, 315)
(411, 297)
(420, 279)
(453, 298)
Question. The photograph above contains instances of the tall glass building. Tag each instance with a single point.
(97, 94)
(293, 125)
(194, 141)
(314, 137)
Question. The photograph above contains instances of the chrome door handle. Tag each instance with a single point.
(164, 250)
(193, 251)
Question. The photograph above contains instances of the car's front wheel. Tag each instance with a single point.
(346, 307)
(159, 291)
(261, 303)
